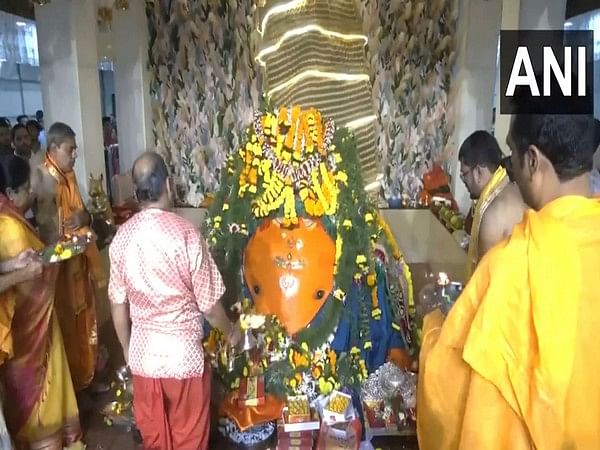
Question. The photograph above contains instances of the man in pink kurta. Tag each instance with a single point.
(164, 282)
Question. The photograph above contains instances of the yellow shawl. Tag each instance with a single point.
(498, 182)
(515, 364)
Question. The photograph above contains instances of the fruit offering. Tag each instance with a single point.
(338, 404)
(298, 406)
(457, 222)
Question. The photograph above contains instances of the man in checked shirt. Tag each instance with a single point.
(163, 283)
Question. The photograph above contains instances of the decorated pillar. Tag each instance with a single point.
(132, 90)
(67, 46)
(313, 56)
(473, 90)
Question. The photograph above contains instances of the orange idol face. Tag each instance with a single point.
(289, 271)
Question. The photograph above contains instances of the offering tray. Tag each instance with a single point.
(66, 248)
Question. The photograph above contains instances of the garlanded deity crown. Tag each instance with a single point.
(288, 154)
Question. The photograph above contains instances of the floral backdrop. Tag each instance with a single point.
(411, 54)
(205, 85)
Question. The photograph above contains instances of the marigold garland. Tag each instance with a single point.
(288, 154)
(294, 164)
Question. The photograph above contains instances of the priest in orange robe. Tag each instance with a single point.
(60, 211)
(516, 365)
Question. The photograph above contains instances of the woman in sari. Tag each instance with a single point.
(25, 267)
(43, 411)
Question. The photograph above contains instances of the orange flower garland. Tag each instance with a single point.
(287, 155)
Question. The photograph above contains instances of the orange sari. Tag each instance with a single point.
(41, 407)
(515, 364)
(77, 281)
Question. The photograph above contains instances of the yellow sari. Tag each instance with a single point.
(76, 286)
(41, 409)
(515, 364)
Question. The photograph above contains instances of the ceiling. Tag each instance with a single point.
(577, 7)
(23, 8)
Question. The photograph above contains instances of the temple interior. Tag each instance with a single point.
(201, 81)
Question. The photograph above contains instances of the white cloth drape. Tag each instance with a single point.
(18, 40)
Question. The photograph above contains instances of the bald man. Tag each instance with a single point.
(163, 283)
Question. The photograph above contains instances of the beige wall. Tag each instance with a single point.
(426, 244)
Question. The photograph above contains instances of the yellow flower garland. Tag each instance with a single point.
(290, 154)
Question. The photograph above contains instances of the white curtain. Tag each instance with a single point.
(18, 40)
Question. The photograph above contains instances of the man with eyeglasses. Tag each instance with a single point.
(498, 203)
(514, 364)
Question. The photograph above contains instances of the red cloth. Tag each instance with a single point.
(173, 414)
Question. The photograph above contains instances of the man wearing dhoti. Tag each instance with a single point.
(515, 364)
(60, 211)
(163, 284)
(499, 205)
